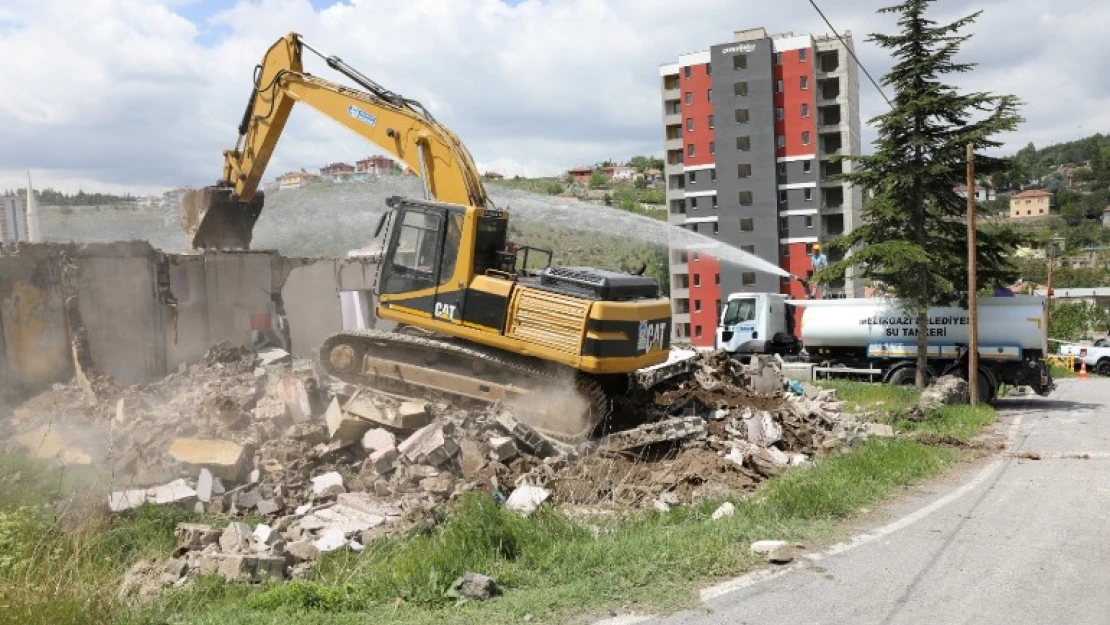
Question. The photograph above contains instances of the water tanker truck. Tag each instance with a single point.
(878, 339)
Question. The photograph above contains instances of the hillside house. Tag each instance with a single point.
(336, 169)
(580, 175)
(1030, 204)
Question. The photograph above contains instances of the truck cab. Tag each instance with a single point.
(757, 323)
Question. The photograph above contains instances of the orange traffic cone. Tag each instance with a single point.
(1083, 369)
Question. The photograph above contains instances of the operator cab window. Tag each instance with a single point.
(739, 311)
(413, 261)
(489, 243)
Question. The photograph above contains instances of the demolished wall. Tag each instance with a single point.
(145, 312)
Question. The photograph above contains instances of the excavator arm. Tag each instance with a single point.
(223, 216)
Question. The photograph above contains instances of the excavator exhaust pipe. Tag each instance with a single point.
(213, 218)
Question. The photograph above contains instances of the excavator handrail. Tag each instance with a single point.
(398, 125)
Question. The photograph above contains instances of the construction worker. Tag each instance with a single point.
(818, 261)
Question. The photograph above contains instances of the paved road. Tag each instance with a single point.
(1014, 541)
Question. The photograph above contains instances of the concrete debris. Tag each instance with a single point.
(947, 390)
(273, 356)
(526, 498)
(775, 551)
(879, 430)
(725, 510)
(332, 465)
(473, 586)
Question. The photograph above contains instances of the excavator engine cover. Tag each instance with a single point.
(213, 218)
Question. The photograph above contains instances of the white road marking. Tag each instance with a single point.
(760, 576)
(625, 619)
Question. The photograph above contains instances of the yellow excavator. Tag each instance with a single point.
(475, 319)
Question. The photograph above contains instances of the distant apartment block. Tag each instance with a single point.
(376, 164)
(294, 179)
(749, 127)
(13, 219)
(171, 205)
(1030, 204)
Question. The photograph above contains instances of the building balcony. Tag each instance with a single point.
(672, 94)
(673, 144)
(670, 119)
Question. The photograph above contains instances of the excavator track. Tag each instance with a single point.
(556, 401)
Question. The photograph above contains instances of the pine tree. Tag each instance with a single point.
(913, 238)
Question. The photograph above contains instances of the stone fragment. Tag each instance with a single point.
(412, 415)
(302, 551)
(268, 507)
(441, 485)
(328, 485)
(661, 506)
(233, 566)
(429, 445)
(947, 390)
(343, 427)
(474, 586)
(526, 498)
(502, 448)
(175, 492)
(378, 438)
(268, 566)
(776, 551)
(472, 456)
(195, 536)
(725, 510)
(264, 535)
(880, 430)
(381, 461)
(225, 459)
(531, 440)
(409, 416)
(236, 538)
(762, 429)
(204, 485)
(273, 356)
(330, 539)
(174, 570)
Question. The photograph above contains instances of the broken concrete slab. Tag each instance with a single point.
(502, 448)
(526, 498)
(225, 459)
(762, 429)
(236, 538)
(328, 485)
(378, 438)
(674, 429)
(381, 462)
(303, 551)
(195, 536)
(529, 439)
(175, 492)
(408, 416)
(273, 356)
(430, 444)
(366, 504)
(344, 428)
(775, 551)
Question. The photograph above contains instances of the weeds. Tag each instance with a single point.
(868, 396)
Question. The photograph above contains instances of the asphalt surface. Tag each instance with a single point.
(1012, 540)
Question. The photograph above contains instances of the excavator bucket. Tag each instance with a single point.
(214, 219)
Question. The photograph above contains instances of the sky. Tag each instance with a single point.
(143, 95)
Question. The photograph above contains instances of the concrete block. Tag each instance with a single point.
(175, 492)
(502, 448)
(271, 409)
(224, 459)
(195, 536)
(762, 429)
(268, 507)
(531, 440)
(205, 482)
(234, 567)
(344, 428)
(236, 538)
(269, 566)
(412, 415)
(429, 445)
(294, 393)
(302, 551)
(366, 504)
(328, 485)
(526, 498)
(378, 438)
(408, 416)
(382, 461)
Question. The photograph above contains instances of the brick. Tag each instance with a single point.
(224, 459)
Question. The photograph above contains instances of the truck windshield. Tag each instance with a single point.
(739, 311)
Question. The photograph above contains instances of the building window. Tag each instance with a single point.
(695, 257)
(714, 200)
(782, 195)
(778, 58)
(710, 121)
(747, 224)
(748, 248)
(740, 61)
(803, 82)
(809, 248)
(780, 141)
(782, 169)
(691, 177)
(690, 150)
(743, 144)
(709, 95)
(708, 69)
(747, 278)
(805, 110)
(744, 170)
(697, 280)
(807, 166)
(778, 86)
(808, 193)
(697, 305)
(744, 198)
(686, 71)
(741, 116)
(689, 124)
(740, 88)
(713, 175)
(715, 228)
(786, 251)
(717, 279)
(809, 221)
(689, 98)
(805, 137)
(693, 203)
(697, 332)
(784, 224)
(779, 112)
(712, 147)
(802, 55)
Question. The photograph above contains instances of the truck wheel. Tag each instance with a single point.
(905, 376)
(1103, 367)
(987, 390)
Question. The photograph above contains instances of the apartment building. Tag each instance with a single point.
(14, 226)
(749, 129)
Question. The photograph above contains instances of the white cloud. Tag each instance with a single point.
(114, 94)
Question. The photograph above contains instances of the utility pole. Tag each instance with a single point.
(972, 305)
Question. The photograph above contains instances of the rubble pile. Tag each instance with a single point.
(328, 465)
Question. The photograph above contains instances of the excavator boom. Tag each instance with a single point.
(223, 216)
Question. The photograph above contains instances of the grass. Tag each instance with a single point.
(867, 396)
(551, 565)
(1059, 372)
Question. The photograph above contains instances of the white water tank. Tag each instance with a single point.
(1018, 321)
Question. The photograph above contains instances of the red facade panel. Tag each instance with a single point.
(794, 94)
(704, 295)
(698, 111)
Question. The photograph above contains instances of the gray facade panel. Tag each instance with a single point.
(793, 172)
(796, 199)
(759, 129)
(798, 228)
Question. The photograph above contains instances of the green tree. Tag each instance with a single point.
(913, 237)
(597, 180)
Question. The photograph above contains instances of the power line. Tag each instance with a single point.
(853, 54)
